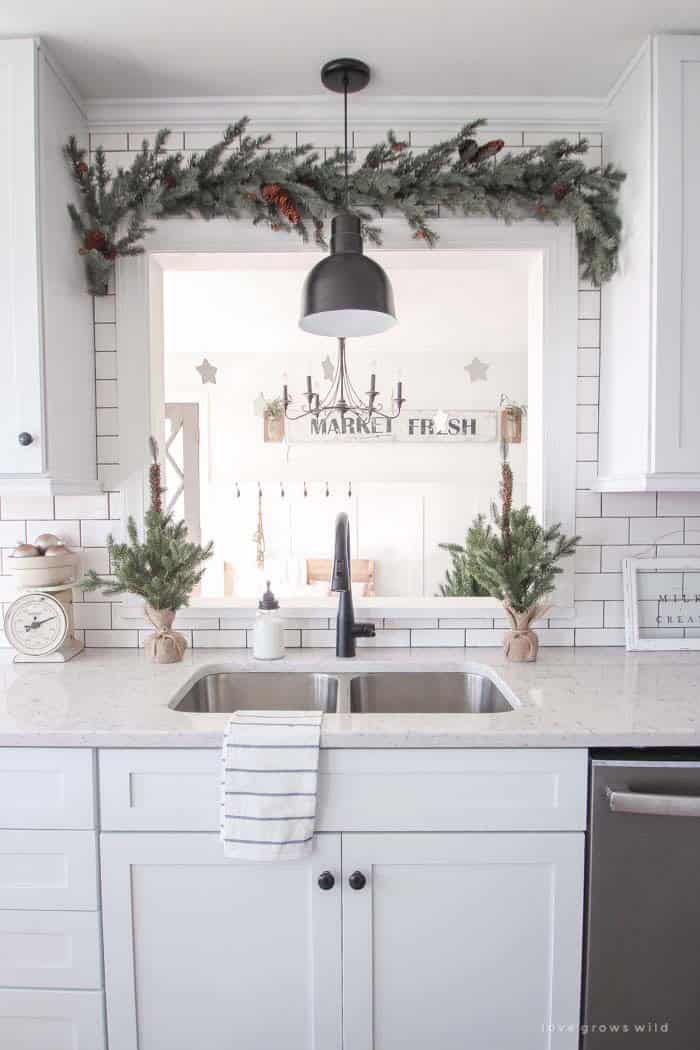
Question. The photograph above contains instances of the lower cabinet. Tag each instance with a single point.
(462, 940)
(417, 940)
(206, 952)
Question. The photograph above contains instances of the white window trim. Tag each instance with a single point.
(551, 366)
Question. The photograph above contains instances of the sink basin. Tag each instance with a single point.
(260, 691)
(452, 692)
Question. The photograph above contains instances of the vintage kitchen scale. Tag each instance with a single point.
(39, 622)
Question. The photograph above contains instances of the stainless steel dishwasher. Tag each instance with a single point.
(642, 984)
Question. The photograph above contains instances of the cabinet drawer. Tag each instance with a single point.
(398, 789)
(48, 870)
(47, 787)
(43, 1020)
(50, 949)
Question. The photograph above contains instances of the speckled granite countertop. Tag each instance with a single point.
(569, 698)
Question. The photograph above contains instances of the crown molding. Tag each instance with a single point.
(278, 113)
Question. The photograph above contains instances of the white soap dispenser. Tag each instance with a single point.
(268, 641)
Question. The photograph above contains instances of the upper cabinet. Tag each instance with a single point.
(47, 422)
(650, 364)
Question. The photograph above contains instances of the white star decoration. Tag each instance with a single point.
(440, 421)
(328, 367)
(207, 371)
(477, 370)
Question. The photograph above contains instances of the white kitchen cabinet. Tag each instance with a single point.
(650, 366)
(460, 940)
(201, 951)
(46, 342)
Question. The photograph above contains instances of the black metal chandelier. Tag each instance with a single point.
(346, 294)
(342, 399)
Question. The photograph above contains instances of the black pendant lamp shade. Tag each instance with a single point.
(347, 294)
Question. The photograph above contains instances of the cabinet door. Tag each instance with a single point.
(675, 433)
(20, 329)
(462, 940)
(201, 951)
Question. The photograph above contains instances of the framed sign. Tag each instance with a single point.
(662, 604)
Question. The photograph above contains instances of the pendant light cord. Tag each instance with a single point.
(345, 108)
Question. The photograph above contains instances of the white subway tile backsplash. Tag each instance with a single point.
(12, 533)
(68, 532)
(586, 448)
(105, 309)
(218, 639)
(96, 558)
(446, 636)
(23, 505)
(586, 473)
(105, 337)
(589, 334)
(587, 390)
(587, 559)
(107, 421)
(93, 505)
(656, 530)
(107, 449)
(106, 365)
(109, 476)
(106, 393)
(595, 531)
(96, 639)
(587, 420)
(611, 636)
(586, 614)
(114, 140)
(393, 639)
(684, 503)
(629, 504)
(588, 504)
(592, 588)
(589, 305)
(612, 557)
(95, 533)
(92, 615)
(588, 362)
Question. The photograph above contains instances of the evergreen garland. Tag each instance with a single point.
(293, 189)
(165, 568)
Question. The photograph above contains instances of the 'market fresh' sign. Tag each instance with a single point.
(426, 425)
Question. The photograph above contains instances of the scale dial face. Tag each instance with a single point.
(36, 624)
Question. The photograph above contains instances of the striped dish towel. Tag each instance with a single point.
(268, 784)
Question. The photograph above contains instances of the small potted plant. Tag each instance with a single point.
(516, 559)
(163, 570)
(273, 416)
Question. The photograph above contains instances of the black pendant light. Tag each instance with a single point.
(346, 294)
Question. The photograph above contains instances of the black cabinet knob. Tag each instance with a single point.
(326, 880)
(357, 881)
(25, 438)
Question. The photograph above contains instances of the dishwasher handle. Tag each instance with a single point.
(653, 805)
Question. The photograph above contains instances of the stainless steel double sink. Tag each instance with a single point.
(384, 692)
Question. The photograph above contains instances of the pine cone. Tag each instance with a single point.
(560, 190)
(288, 208)
(398, 147)
(271, 192)
(81, 167)
(95, 240)
(170, 182)
(489, 149)
(419, 235)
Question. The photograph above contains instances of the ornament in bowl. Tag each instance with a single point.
(45, 563)
(164, 569)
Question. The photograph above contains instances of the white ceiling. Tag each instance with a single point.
(159, 48)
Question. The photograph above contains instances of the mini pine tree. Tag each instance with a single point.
(459, 582)
(165, 568)
(515, 559)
